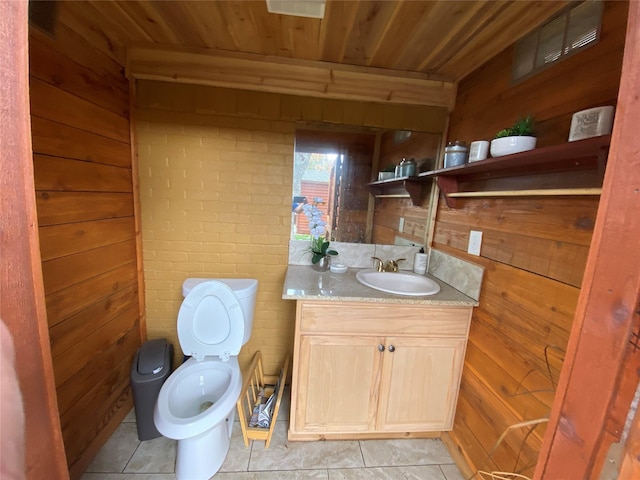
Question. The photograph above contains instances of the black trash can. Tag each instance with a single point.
(151, 367)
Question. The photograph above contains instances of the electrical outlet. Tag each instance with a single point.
(475, 242)
(401, 226)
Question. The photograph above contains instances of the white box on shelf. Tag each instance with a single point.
(592, 122)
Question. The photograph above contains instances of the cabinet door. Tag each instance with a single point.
(420, 382)
(337, 383)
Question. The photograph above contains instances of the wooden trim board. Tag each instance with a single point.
(21, 286)
(287, 76)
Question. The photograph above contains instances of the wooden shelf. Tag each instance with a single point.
(543, 192)
(400, 187)
(590, 153)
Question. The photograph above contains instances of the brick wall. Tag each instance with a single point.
(216, 172)
(216, 203)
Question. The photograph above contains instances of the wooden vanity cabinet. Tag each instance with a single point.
(373, 370)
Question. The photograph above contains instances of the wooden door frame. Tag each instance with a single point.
(594, 377)
(605, 314)
(22, 302)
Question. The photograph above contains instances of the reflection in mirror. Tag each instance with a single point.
(397, 219)
(332, 170)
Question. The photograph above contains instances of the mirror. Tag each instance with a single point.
(332, 170)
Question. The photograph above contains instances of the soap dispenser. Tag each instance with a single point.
(420, 262)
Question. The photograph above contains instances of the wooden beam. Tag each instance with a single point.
(21, 287)
(609, 297)
(295, 77)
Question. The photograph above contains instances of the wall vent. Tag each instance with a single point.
(573, 30)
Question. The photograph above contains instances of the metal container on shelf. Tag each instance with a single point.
(407, 168)
(456, 153)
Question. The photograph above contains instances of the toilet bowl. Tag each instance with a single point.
(196, 405)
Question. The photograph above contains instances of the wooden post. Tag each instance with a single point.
(21, 289)
(608, 300)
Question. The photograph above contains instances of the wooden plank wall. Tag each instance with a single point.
(85, 206)
(534, 251)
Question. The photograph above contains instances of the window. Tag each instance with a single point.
(575, 29)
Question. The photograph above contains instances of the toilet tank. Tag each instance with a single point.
(245, 290)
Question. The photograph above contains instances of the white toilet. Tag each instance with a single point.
(196, 405)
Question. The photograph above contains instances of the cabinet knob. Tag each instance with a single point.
(392, 348)
(381, 348)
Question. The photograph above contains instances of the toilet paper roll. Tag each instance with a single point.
(420, 263)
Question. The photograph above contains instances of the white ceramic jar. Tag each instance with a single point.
(478, 150)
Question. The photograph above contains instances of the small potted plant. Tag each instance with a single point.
(518, 138)
(319, 248)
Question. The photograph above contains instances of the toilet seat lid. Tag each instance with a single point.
(210, 321)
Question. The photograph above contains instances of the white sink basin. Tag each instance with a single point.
(398, 282)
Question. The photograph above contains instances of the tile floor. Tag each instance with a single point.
(124, 457)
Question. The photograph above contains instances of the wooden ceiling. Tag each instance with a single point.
(427, 41)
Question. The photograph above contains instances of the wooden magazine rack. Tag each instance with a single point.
(257, 387)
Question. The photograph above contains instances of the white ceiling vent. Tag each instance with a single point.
(297, 8)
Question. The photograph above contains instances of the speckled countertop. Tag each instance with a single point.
(304, 283)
